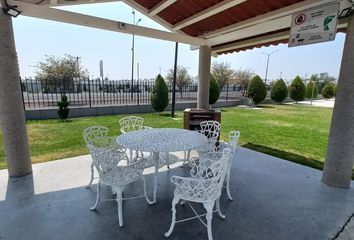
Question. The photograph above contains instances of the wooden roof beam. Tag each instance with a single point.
(161, 6)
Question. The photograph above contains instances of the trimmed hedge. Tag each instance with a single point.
(159, 96)
(63, 105)
(311, 90)
(257, 90)
(297, 90)
(329, 90)
(279, 91)
(214, 90)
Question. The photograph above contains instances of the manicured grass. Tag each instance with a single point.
(294, 132)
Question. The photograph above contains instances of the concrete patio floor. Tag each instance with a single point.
(273, 199)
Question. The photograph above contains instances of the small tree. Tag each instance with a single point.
(242, 78)
(182, 78)
(214, 90)
(256, 90)
(223, 73)
(297, 90)
(328, 90)
(311, 90)
(63, 105)
(62, 72)
(159, 96)
(279, 91)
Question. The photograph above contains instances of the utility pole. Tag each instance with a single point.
(133, 42)
(268, 55)
(174, 82)
(137, 82)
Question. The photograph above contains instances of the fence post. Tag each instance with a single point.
(227, 92)
(89, 88)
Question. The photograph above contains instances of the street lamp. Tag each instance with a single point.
(132, 83)
(268, 54)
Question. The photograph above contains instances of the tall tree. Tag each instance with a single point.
(60, 73)
(182, 78)
(242, 78)
(223, 73)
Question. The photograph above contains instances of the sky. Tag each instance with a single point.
(36, 38)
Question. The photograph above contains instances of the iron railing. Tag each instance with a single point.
(93, 93)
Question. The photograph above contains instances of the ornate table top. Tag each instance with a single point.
(162, 140)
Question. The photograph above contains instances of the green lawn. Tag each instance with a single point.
(294, 132)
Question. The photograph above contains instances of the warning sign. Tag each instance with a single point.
(314, 25)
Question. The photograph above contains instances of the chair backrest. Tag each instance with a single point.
(210, 129)
(95, 136)
(131, 123)
(111, 172)
(215, 173)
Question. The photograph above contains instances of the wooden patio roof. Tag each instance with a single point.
(226, 25)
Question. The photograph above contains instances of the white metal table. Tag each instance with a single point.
(158, 140)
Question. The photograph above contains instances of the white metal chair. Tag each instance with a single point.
(96, 137)
(132, 123)
(203, 187)
(112, 173)
(234, 136)
(211, 129)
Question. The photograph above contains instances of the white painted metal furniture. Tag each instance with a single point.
(234, 136)
(161, 140)
(96, 138)
(132, 123)
(211, 129)
(204, 186)
(116, 175)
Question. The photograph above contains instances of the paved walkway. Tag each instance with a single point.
(273, 199)
(319, 103)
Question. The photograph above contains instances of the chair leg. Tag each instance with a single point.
(156, 156)
(218, 209)
(119, 192)
(228, 185)
(98, 196)
(168, 160)
(209, 208)
(131, 156)
(173, 222)
(92, 176)
(145, 192)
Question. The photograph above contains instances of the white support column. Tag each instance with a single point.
(340, 151)
(12, 116)
(204, 77)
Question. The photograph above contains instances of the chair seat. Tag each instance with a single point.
(120, 176)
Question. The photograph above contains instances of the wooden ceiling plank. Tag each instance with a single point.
(217, 8)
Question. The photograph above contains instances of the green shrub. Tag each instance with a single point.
(256, 90)
(297, 90)
(159, 96)
(214, 90)
(63, 111)
(311, 90)
(328, 91)
(279, 91)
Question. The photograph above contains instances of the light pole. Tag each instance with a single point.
(132, 82)
(268, 55)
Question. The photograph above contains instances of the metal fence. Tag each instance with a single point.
(89, 93)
